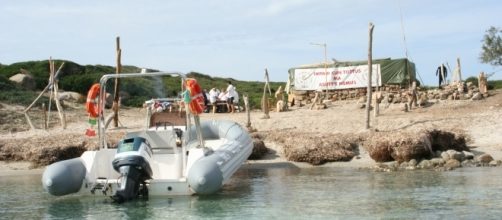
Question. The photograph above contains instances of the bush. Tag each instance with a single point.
(78, 78)
(473, 80)
(495, 84)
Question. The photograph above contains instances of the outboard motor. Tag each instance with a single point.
(132, 161)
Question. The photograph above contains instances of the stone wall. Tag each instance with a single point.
(396, 94)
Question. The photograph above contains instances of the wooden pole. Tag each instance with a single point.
(55, 87)
(43, 91)
(116, 96)
(370, 64)
(248, 112)
(29, 121)
(44, 108)
(264, 99)
(51, 92)
(326, 71)
(459, 75)
(49, 85)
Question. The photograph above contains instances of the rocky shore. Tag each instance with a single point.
(335, 136)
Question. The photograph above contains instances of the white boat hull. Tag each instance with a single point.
(204, 171)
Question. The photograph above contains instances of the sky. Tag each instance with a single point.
(240, 38)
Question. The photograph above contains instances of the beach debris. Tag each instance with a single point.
(259, 149)
(404, 146)
(484, 158)
(433, 149)
(59, 147)
(477, 96)
(315, 148)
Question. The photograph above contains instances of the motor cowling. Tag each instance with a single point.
(132, 161)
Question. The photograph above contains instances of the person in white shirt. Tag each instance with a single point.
(231, 96)
(213, 97)
(236, 101)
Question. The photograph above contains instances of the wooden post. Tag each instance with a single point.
(55, 87)
(264, 99)
(29, 121)
(44, 108)
(248, 112)
(51, 91)
(43, 91)
(459, 74)
(370, 64)
(49, 86)
(315, 100)
(116, 96)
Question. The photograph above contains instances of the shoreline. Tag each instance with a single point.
(480, 120)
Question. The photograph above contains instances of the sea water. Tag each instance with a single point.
(284, 192)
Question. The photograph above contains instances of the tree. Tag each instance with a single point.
(492, 47)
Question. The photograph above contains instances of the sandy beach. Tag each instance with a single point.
(479, 120)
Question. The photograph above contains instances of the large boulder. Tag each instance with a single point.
(25, 80)
(71, 96)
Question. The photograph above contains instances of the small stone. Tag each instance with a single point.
(438, 153)
(455, 155)
(468, 155)
(412, 162)
(452, 163)
(499, 162)
(484, 158)
(477, 96)
(425, 164)
(445, 156)
(468, 163)
(403, 165)
(493, 163)
(436, 162)
(391, 164)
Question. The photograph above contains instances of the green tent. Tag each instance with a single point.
(393, 71)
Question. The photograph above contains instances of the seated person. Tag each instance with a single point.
(213, 97)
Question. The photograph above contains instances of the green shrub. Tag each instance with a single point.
(473, 80)
(495, 84)
(78, 78)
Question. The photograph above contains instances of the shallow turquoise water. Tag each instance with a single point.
(284, 193)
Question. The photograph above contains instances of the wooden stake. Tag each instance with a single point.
(116, 96)
(459, 74)
(264, 99)
(44, 108)
(370, 64)
(29, 121)
(55, 87)
(248, 113)
(61, 113)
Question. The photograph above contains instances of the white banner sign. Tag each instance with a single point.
(336, 78)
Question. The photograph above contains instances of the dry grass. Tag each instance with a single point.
(259, 149)
(315, 148)
(47, 150)
(404, 146)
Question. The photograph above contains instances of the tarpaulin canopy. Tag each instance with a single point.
(352, 74)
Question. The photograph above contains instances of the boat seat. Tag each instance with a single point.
(168, 118)
(161, 141)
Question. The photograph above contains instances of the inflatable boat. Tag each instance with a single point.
(175, 154)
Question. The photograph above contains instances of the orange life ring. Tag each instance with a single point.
(196, 104)
(90, 104)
